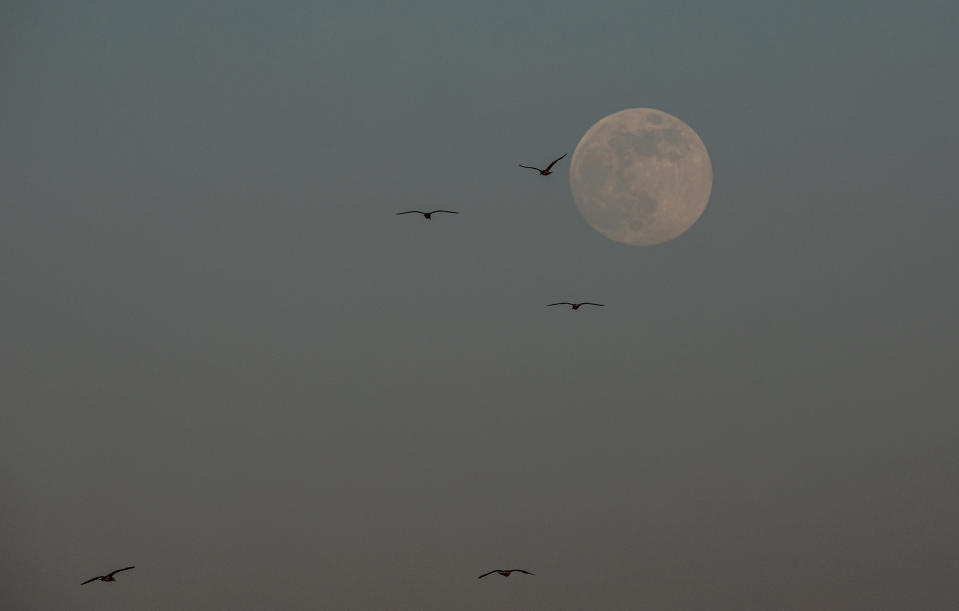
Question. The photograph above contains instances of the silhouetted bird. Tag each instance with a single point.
(107, 577)
(574, 306)
(545, 172)
(504, 573)
(426, 215)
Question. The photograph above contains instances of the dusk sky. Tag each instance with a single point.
(226, 361)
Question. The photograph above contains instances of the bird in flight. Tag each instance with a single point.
(545, 172)
(574, 306)
(504, 573)
(107, 577)
(426, 215)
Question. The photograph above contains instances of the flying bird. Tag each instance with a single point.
(107, 577)
(574, 306)
(545, 172)
(426, 215)
(504, 573)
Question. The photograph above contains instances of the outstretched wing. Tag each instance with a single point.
(521, 571)
(485, 574)
(559, 303)
(447, 211)
(118, 570)
(550, 166)
(93, 579)
(591, 303)
(410, 212)
(529, 167)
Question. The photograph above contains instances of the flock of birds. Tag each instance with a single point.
(546, 172)
(109, 576)
(427, 215)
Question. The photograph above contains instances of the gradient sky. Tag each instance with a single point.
(226, 361)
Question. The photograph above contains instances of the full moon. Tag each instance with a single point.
(640, 176)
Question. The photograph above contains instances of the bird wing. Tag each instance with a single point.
(529, 167)
(93, 579)
(410, 212)
(554, 163)
(118, 570)
(521, 571)
(447, 211)
(559, 303)
(591, 303)
(485, 574)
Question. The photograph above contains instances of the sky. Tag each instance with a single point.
(227, 362)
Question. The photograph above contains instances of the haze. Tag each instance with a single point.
(227, 362)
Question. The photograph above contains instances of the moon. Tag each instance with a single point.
(640, 176)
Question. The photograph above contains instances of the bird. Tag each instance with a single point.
(427, 215)
(575, 306)
(545, 172)
(504, 572)
(107, 577)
